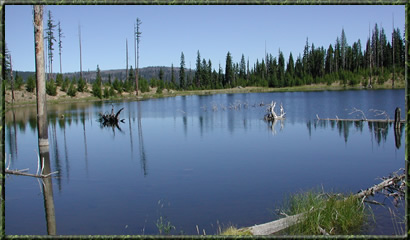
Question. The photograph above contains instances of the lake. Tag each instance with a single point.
(198, 162)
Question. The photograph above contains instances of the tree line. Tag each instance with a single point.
(380, 59)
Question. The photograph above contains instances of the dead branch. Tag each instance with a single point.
(22, 173)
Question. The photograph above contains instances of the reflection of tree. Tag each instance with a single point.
(48, 192)
(56, 153)
(143, 156)
(61, 124)
(378, 130)
(12, 136)
(85, 141)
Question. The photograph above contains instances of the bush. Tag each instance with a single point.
(51, 88)
(31, 84)
(65, 84)
(59, 79)
(97, 91)
(71, 90)
(81, 85)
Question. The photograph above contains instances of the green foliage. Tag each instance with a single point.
(164, 226)
(143, 85)
(72, 91)
(18, 82)
(81, 85)
(59, 79)
(65, 84)
(106, 92)
(97, 91)
(117, 85)
(335, 213)
(31, 84)
(51, 88)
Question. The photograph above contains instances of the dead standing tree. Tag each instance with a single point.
(40, 77)
(137, 37)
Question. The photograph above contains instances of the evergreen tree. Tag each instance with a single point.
(228, 71)
(72, 91)
(242, 68)
(281, 70)
(51, 88)
(198, 70)
(59, 79)
(81, 85)
(31, 84)
(182, 72)
(97, 90)
(174, 84)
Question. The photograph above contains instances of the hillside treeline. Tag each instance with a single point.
(380, 59)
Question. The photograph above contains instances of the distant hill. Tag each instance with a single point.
(147, 73)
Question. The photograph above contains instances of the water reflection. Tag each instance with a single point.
(47, 183)
(143, 156)
(379, 130)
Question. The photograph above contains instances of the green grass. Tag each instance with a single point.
(334, 213)
(233, 231)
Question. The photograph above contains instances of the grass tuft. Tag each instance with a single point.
(233, 231)
(333, 213)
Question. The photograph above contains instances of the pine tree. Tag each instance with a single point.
(228, 71)
(97, 90)
(182, 72)
(173, 76)
(198, 70)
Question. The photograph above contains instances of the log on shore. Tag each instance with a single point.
(283, 223)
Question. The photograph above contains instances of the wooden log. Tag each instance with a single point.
(380, 186)
(283, 223)
(275, 226)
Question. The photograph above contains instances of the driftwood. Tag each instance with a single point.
(272, 115)
(110, 119)
(283, 223)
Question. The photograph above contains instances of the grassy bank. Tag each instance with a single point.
(24, 98)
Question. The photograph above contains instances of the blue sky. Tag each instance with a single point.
(169, 30)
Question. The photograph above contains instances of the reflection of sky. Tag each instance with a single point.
(225, 165)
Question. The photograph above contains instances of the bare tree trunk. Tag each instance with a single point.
(81, 64)
(126, 58)
(11, 80)
(137, 38)
(40, 77)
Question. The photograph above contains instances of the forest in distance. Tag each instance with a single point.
(381, 60)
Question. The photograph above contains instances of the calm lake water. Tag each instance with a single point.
(197, 161)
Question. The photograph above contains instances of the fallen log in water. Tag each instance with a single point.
(283, 223)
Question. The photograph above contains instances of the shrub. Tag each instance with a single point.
(51, 88)
(31, 84)
(71, 90)
(81, 85)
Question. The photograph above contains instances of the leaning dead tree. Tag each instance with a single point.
(394, 185)
(272, 115)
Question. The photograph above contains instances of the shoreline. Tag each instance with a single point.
(24, 98)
